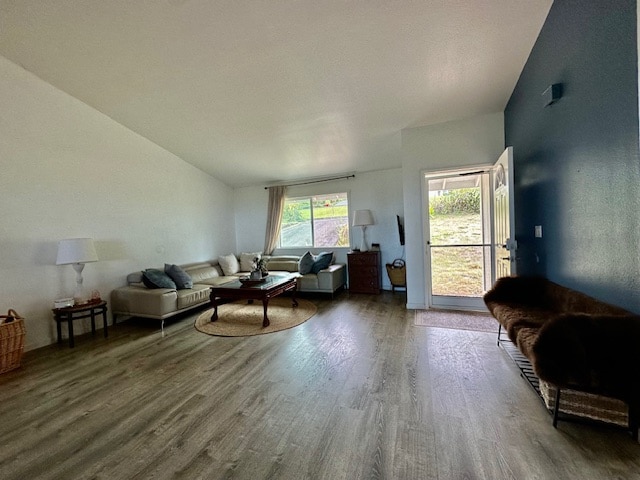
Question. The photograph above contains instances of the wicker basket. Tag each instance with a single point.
(584, 404)
(12, 334)
(397, 272)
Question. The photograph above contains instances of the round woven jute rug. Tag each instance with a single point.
(240, 318)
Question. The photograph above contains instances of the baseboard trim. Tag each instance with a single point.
(416, 306)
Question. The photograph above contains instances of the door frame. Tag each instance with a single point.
(464, 304)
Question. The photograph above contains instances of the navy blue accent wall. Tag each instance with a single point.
(576, 162)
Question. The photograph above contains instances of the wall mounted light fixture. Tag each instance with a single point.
(552, 94)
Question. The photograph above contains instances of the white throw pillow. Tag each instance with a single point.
(229, 264)
(246, 260)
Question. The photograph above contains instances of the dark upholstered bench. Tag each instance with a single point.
(574, 343)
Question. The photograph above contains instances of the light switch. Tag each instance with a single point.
(538, 231)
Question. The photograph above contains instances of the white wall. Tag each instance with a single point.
(379, 191)
(70, 171)
(472, 141)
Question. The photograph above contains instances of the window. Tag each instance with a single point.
(318, 221)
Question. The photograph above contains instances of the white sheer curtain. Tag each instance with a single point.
(274, 218)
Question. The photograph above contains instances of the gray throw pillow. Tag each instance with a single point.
(181, 278)
(322, 261)
(305, 264)
(154, 278)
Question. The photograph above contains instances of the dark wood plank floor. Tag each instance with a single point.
(356, 392)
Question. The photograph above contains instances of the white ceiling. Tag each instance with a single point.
(265, 91)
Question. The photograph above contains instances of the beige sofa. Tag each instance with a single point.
(328, 280)
(137, 300)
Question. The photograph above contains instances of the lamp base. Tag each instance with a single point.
(363, 244)
(80, 295)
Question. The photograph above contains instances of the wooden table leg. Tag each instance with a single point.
(265, 320)
(214, 317)
(70, 323)
(104, 322)
(294, 302)
(93, 322)
(59, 328)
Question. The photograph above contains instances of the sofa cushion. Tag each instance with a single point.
(308, 282)
(285, 263)
(144, 302)
(331, 278)
(247, 260)
(322, 261)
(202, 273)
(193, 296)
(181, 278)
(306, 263)
(154, 278)
(515, 317)
(215, 281)
(134, 278)
(229, 264)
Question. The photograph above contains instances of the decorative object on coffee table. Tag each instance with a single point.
(255, 275)
(248, 281)
(260, 265)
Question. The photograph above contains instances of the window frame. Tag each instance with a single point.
(310, 198)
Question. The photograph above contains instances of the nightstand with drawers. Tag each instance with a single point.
(365, 273)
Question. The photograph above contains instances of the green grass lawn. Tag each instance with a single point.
(457, 271)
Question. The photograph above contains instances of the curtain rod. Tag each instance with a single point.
(312, 181)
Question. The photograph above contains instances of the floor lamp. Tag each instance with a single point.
(76, 252)
(363, 218)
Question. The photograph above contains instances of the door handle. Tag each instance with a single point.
(505, 258)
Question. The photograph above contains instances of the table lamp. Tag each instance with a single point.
(77, 252)
(363, 218)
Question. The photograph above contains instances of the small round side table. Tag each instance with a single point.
(86, 310)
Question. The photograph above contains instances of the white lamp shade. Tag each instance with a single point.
(362, 218)
(76, 250)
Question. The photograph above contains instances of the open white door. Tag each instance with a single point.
(504, 242)
(458, 261)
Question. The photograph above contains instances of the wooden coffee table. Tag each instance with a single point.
(272, 286)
